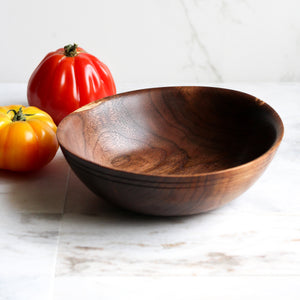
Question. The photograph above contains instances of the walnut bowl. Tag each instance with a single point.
(171, 151)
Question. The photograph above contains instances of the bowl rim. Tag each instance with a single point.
(110, 170)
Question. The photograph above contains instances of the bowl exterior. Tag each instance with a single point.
(169, 196)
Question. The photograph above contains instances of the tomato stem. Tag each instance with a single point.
(71, 50)
(19, 115)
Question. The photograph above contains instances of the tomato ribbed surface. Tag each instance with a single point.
(61, 84)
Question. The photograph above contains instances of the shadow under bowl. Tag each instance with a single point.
(172, 150)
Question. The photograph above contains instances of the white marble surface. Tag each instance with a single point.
(59, 241)
(158, 41)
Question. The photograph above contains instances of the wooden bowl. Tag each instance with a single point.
(173, 150)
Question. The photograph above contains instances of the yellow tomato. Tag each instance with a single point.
(27, 138)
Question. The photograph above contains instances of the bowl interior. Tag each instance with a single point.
(172, 131)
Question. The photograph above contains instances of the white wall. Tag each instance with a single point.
(158, 41)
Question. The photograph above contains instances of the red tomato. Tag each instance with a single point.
(67, 79)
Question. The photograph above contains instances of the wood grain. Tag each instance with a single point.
(171, 151)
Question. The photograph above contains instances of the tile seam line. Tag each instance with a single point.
(53, 273)
(66, 191)
(53, 276)
(195, 276)
(143, 276)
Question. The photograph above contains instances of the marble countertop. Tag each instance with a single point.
(59, 241)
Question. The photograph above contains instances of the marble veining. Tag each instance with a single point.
(207, 63)
(167, 248)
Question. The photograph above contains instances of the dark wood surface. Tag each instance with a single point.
(171, 151)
